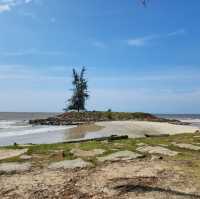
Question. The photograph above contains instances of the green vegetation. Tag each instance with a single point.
(80, 91)
(105, 116)
(59, 151)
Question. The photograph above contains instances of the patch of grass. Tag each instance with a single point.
(51, 152)
(13, 159)
(106, 116)
(95, 145)
(48, 148)
(13, 147)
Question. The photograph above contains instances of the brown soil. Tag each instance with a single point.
(138, 179)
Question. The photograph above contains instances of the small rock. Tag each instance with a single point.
(141, 144)
(119, 145)
(70, 164)
(187, 146)
(155, 157)
(120, 155)
(9, 168)
(83, 153)
(10, 153)
(157, 150)
(58, 153)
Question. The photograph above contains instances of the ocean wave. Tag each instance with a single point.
(190, 120)
(6, 124)
(33, 130)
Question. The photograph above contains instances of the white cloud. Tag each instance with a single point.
(142, 41)
(4, 8)
(7, 5)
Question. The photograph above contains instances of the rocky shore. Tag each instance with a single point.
(75, 118)
(142, 168)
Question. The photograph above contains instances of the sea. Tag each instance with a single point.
(194, 119)
(15, 128)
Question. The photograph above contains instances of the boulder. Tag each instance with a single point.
(25, 157)
(70, 164)
(156, 150)
(10, 153)
(11, 168)
(83, 153)
(120, 155)
(187, 146)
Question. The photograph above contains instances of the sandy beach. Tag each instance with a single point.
(139, 128)
(55, 134)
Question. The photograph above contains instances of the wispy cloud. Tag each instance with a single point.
(142, 41)
(175, 33)
(99, 44)
(24, 72)
(52, 19)
(32, 52)
(7, 5)
(29, 15)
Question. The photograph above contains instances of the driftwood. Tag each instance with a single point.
(156, 135)
(110, 138)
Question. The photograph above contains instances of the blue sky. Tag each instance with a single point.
(138, 59)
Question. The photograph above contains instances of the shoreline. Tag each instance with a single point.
(134, 129)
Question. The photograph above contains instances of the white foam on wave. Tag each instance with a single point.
(190, 120)
(34, 130)
(14, 124)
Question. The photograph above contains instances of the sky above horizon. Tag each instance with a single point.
(137, 58)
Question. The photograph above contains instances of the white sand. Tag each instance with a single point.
(140, 128)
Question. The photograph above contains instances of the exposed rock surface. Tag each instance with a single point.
(70, 164)
(25, 157)
(187, 146)
(70, 118)
(10, 153)
(83, 153)
(120, 155)
(9, 168)
(141, 144)
(156, 150)
(138, 179)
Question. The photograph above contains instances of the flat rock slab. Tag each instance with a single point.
(70, 164)
(120, 155)
(83, 153)
(10, 168)
(187, 146)
(157, 150)
(10, 153)
(25, 157)
(141, 144)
